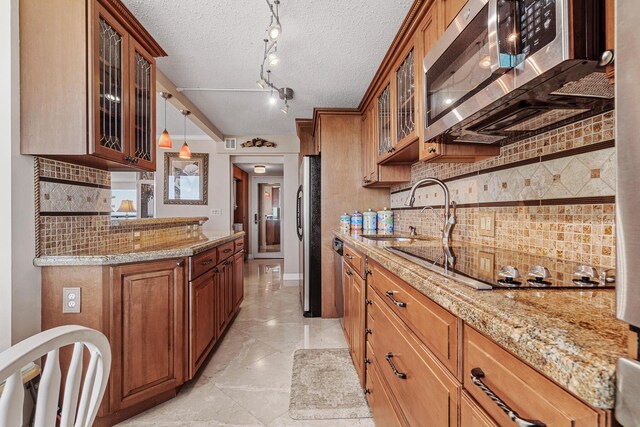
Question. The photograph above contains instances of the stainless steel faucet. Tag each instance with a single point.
(449, 218)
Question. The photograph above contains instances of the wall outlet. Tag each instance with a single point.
(487, 224)
(216, 212)
(71, 300)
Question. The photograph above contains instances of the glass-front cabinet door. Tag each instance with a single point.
(111, 82)
(142, 105)
(385, 144)
(405, 100)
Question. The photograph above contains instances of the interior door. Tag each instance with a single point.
(268, 218)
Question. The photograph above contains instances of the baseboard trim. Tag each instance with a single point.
(292, 276)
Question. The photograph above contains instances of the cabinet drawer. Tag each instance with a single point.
(435, 326)
(203, 262)
(355, 260)
(472, 415)
(383, 407)
(238, 245)
(413, 374)
(225, 251)
(522, 388)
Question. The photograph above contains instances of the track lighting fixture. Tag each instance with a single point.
(272, 59)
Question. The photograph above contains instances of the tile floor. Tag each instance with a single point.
(247, 380)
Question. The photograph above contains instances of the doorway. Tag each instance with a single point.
(267, 217)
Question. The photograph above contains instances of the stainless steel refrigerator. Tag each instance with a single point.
(627, 87)
(308, 224)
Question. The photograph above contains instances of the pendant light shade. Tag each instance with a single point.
(185, 153)
(165, 140)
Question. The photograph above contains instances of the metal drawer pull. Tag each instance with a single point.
(347, 256)
(349, 272)
(226, 251)
(401, 304)
(207, 262)
(476, 377)
(398, 374)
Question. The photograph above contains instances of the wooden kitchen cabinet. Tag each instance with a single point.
(101, 108)
(375, 175)
(382, 403)
(238, 279)
(354, 308)
(524, 390)
(450, 9)
(148, 331)
(472, 415)
(414, 375)
(202, 320)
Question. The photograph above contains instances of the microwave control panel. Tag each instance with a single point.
(537, 24)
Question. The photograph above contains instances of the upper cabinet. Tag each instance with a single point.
(94, 101)
(450, 9)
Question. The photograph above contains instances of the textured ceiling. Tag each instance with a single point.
(330, 50)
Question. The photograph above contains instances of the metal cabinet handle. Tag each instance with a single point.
(476, 377)
(367, 391)
(347, 256)
(207, 262)
(179, 263)
(368, 331)
(397, 373)
(368, 301)
(431, 150)
(349, 272)
(367, 361)
(400, 304)
(226, 251)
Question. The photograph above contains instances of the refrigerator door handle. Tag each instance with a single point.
(299, 213)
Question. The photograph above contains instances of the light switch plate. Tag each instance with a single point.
(487, 224)
(216, 212)
(71, 300)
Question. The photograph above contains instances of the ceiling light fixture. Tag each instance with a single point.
(260, 169)
(185, 153)
(285, 108)
(271, 58)
(165, 140)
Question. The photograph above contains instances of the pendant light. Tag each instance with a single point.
(185, 153)
(165, 140)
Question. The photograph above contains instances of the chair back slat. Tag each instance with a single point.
(85, 401)
(72, 387)
(12, 401)
(75, 412)
(48, 391)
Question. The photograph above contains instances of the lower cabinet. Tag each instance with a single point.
(238, 278)
(472, 415)
(147, 331)
(202, 319)
(381, 401)
(412, 375)
(354, 316)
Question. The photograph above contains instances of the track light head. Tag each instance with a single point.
(274, 31)
(273, 59)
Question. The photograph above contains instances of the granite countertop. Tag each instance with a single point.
(134, 252)
(571, 336)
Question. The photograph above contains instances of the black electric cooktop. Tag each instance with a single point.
(489, 268)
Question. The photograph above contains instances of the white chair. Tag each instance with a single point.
(74, 413)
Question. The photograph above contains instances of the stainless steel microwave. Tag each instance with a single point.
(508, 68)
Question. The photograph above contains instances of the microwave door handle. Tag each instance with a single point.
(501, 62)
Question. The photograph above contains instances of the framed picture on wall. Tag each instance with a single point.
(186, 181)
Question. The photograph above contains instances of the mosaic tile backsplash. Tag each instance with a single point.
(73, 208)
(551, 194)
